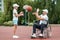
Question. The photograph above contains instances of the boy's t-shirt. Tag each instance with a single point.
(14, 17)
(45, 19)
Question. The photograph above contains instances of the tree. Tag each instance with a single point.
(54, 13)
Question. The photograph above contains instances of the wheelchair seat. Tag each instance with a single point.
(46, 32)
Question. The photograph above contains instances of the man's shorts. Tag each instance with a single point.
(15, 22)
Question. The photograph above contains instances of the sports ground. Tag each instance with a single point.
(24, 33)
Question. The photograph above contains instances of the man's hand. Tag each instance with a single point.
(37, 10)
(35, 13)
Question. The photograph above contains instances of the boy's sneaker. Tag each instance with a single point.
(33, 36)
(14, 36)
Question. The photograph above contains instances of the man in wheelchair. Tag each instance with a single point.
(41, 24)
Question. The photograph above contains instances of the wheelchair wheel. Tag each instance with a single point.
(47, 32)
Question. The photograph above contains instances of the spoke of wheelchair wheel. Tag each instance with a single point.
(50, 27)
(45, 33)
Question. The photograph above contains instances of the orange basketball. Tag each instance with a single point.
(29, 8)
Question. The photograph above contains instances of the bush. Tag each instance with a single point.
(9, 23)
(2, 18)
(30, 24)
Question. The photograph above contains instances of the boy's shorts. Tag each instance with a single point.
(15, 22)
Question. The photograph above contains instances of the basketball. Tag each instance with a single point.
(28, 8)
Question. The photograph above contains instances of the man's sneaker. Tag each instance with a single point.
(33, 36)
(40, 35)
(14, 36)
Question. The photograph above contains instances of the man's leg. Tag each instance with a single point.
(34, 30)
(42, 29)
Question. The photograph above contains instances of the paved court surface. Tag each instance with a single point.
(24, 33)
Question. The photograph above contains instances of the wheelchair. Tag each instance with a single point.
(46, 32)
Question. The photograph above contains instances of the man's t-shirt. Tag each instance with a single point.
(15, 12)
(45, 19)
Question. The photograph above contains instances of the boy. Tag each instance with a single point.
(15, 18)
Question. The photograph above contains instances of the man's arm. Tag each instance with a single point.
(37, 16)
